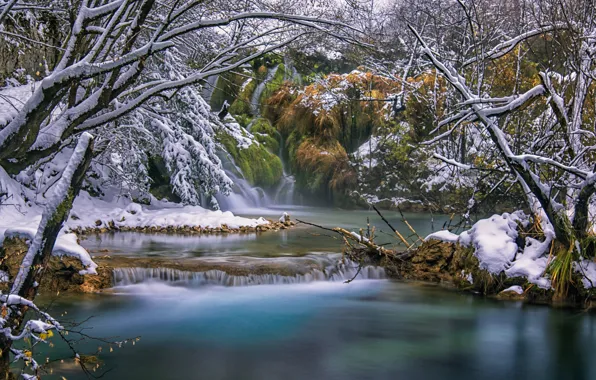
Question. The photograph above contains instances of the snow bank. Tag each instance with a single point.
(12, 100)
(91, 212)
(19, 218)
(494, 241)
(443, 235)
(588, 270)
(515, 288)
(495, 245)
(66, 243)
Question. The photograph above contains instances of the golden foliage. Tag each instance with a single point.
(328, 162)
(330, 107)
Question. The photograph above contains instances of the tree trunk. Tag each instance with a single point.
(40, 251)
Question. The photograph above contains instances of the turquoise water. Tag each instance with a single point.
(367, 329)
(361, 330)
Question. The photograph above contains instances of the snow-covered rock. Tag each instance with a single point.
(495, 245)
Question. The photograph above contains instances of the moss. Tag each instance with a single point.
(243, 119)
(241, 105)
(266, 134)
(63, 209)
(258, 165)
(227, 87)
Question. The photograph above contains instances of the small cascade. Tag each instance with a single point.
(290, 68)
(284, 194)
(337, 273)
(209, 87)
(256, 96)
(243, 195)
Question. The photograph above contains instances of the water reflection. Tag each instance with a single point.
(364, 330)
(296, 241)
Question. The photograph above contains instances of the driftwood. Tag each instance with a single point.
(361, 240)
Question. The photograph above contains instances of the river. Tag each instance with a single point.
(367, 329)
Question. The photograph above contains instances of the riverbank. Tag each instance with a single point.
(508, 256)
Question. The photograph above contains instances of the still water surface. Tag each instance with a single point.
(368, 329)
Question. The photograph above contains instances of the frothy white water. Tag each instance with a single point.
(284, 195)
(338, 273)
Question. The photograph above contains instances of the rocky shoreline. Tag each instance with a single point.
(191, 230)
(454, 267)
(63, 271)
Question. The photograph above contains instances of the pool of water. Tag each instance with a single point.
(367, 329)
(300, 240)
(361, 330)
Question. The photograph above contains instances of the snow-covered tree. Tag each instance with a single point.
(541, 132)
(129, 72)
(134, 66)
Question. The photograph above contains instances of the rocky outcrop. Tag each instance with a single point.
(455, 266)
(62, 272)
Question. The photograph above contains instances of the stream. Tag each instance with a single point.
(371, 328)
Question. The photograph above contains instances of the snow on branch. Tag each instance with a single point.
(505, 47)
(452, 162)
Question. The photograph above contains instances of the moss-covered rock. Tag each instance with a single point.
(244, 120)
(266, 134)
(227, 88)
(456, 266)
(273, 85)
(241, 105)
(259, 166)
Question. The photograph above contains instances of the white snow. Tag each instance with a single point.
(12, 100)
(495, 246)
(125, 213)
(515, 288)
(494, 241)
(468, 277)
(59, 194)
(443, 235)
(588, 270)
(283, 217)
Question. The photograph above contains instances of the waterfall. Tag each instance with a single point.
(256, 96)
(209, 87)
(284, 194)
(243, 195)
(338, 273)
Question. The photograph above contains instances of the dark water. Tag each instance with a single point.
(362, 330)
(322, 330)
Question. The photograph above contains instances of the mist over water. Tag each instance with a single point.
(215, 326)
(330, 330)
